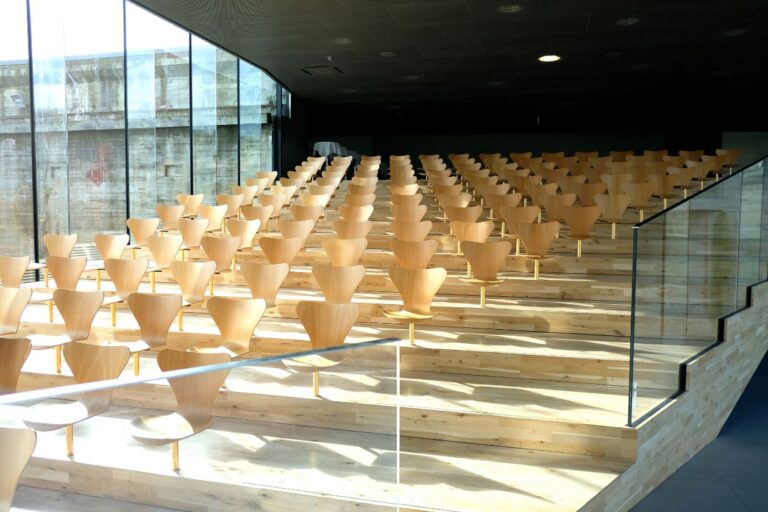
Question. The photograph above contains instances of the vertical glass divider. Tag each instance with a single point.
(191, 129)
(125, 127)
(35, 217)
(633, 313)
(237, 75)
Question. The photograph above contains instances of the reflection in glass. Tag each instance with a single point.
(257, 114)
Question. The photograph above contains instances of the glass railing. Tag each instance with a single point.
(691, 265)
(230, 431)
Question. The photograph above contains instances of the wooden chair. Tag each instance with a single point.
(471, 231)
(359, 199)
(276, 200)
(498, 201)
(66, 274)
(316, 189)
(247, 191)
(412, 254)
(280, 250)
(537, 239)
(60, 245)
(16, 445)
(270, 176)
(264, 279)
(461, 214)
(245, 230)
(580, 220)
(233, 203)
(89, 363)
(236, 319)
(616, 183)
(78, 309)
(406, 190)
(361, 189)
(357, 213)
(109, 246)
(409, 213)
(169, 215)
(309, 199)
(485, 259)
(193, 278)
(260, 213)
(612, 207)
(327, 326)
(568, 183)
(412, 201)
(338, 284)
(640, 197)
(154, 312)
(12, 270)
(215, 214)
(191, 203)
(447, 190)
(141, 229)
(663, 187)
(222, 250)
(126, 275)
(417, 288)
(344, 252)
(164, 250)
(13, 354)
(460, 200)
(295, 228)
(587, 192)
(301, 212)
(192, 232)
(195, 395)
(348, 230)
(411, 231)
(13, 302)
(685, 176)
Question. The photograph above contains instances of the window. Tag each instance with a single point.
(257, 115)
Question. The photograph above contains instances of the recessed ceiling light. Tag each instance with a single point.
(613, 55)
(734, 32)
(510, 8)
(411, 77)
(342, 40)
(388, 55)
(549, 58)
(626, 22)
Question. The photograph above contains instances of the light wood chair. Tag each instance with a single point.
(276, 200)
(192, 232)
(400, 201)
(616, 183)
(191, 203)
(262, 183)
(247, 191)
(685, 177)
(568, 183)
(316, 189)
(555, 202)
(215, 214)
(301, 212)
(236, 319)
(461, 214)
(154, 312)
(409, 213)
(460, 200)
(260, 213)
(411, 231)
(356, 213)
(471, 231)
(109, 246)
(126, 276)
(13, 354)
(89, 363)
(245, 230)
(412, 254)
(406, 190)
(270, 176)
(233, 203)
(663, 187)
(327, 326)
(344, 252)
(338, 284)
(537, 239)
(361, 189)
(640, 197)
(16, 445)
(348, 230)
(193, 278)
(169, 215)
(195, 395)
(359, 199)
(497, 201)
(485, 259)
(309, 199)
(78, 309)
(295, 228)
(12, 270)
(264, 279)
(588, 191)
(59, 244)
(417, 288)
(580, 220)
(66, 274)
(280, 250)
(612, 207)
(222, 250)
(141, 229)
(447, 190)
(164, 250)
(13, 302)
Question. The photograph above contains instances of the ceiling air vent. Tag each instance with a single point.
(322, 70)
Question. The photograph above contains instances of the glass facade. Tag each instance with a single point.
(114, 111)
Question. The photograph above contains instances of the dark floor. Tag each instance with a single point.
(731, 474)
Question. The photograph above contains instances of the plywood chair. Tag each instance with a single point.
(338, 283)
(233, 203)
(359, 199)
(640, 197)
(154, 312)
(16, 445)
(164, 250)
(612, 207)
(13, 302)
(89, 363)
(580, 220)
(236, 319)
(460, 200)
(462, 214)
(685, 176)
(270, 176)
(472, 231)
(262, 183)
(193, 278)
(141, 229)
(215, 214)
(287, 182)
(413, 254)
(417, 288)
(259, 213)
(587, 192)
(66, 274)
(126, 275)
(346, 229)
(344, 252)
(302, 212)
(568, 183)
(222, 250)
(78, 309)
(411, 231)
(247, 191)
(316, 189)
(497, 201)
(192, 232)
(264, 279)
(411, 201)
(195, 395)
(295, 228)
(191, 203)
(447, 190)
(409, 213)
(12, 269)
(280, 250)
(406, 190)
(616, 183)
(169, 215)
(485, 259)
(327, 326)
(276, 200)
(555, 202)
(357, 213)
(13, 354)
(537, 239)
(59, 245)
(245, 230)
(109, 246)
(663, 187)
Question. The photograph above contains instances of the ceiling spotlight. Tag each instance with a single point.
(549, 58)
(411, 78)
(342, 40)
(627, 22)
(734, 32)
(388, 55)
(510, 8)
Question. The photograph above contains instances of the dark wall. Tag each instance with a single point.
(295, 135)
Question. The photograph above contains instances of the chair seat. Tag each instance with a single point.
(36, 266)
(111, 299)
(54, 417)
(481, 282)
(132, 346)
(408, 316)
(159, 430)
(44, 341)
(215, 349)
(316, 361)
(38, 297)
(94, 265)
(155, 268)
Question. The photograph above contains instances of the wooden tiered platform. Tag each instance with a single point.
(521, 405)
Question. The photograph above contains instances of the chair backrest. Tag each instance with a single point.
(280, 250)
(302, 212)
(308, 199)
(169, 214)
(92, 363)
(519, 215)
(191, 202)
(347, 229)
(463, 214)
(154, 313)
(580, 219)
(221, 249)
(12, 269)
(262, 183)
(110, 246)
(192, 231)
(473, 231)
(554, 202)
(126, 274)
(78, 309)
(233, 203)
(417, 287)
(244, 229)
(414, 254)
(615, 183)
(343, 252)
(497, 201)
(327, 324)
(612, 206)
(460, 200)
(338, 283)
(588, 191)
(270, 176)
(411, 231)
(59, 245)
(359, 199)
(361, 189)
(65, 271)
(142, 229)
(215, 215)
(13, 353)
(356, 213)
(247, 191)
(16, 445)
(409, 213)
(486, 258)
(236, 319)
(264, 279)
(537, 237)
(194, 394)
(295, 228)
(408, 189)
(639, 194)
(13, 301)
(260, 213)
(411, 201)
(192, 278)
(164, 248)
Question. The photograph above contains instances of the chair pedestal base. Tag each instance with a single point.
(410, 318)
(113, 314)
(70, 433)
(316, 382)
(136, 368)
(175, 455)
(152, 281)
(57, 353)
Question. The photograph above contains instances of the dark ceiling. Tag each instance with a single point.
(642, 56)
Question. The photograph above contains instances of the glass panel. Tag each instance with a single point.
(80, 117)
(752, 200)
(158, 110)
(257, 113)
(16, 237)
(214, 120)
